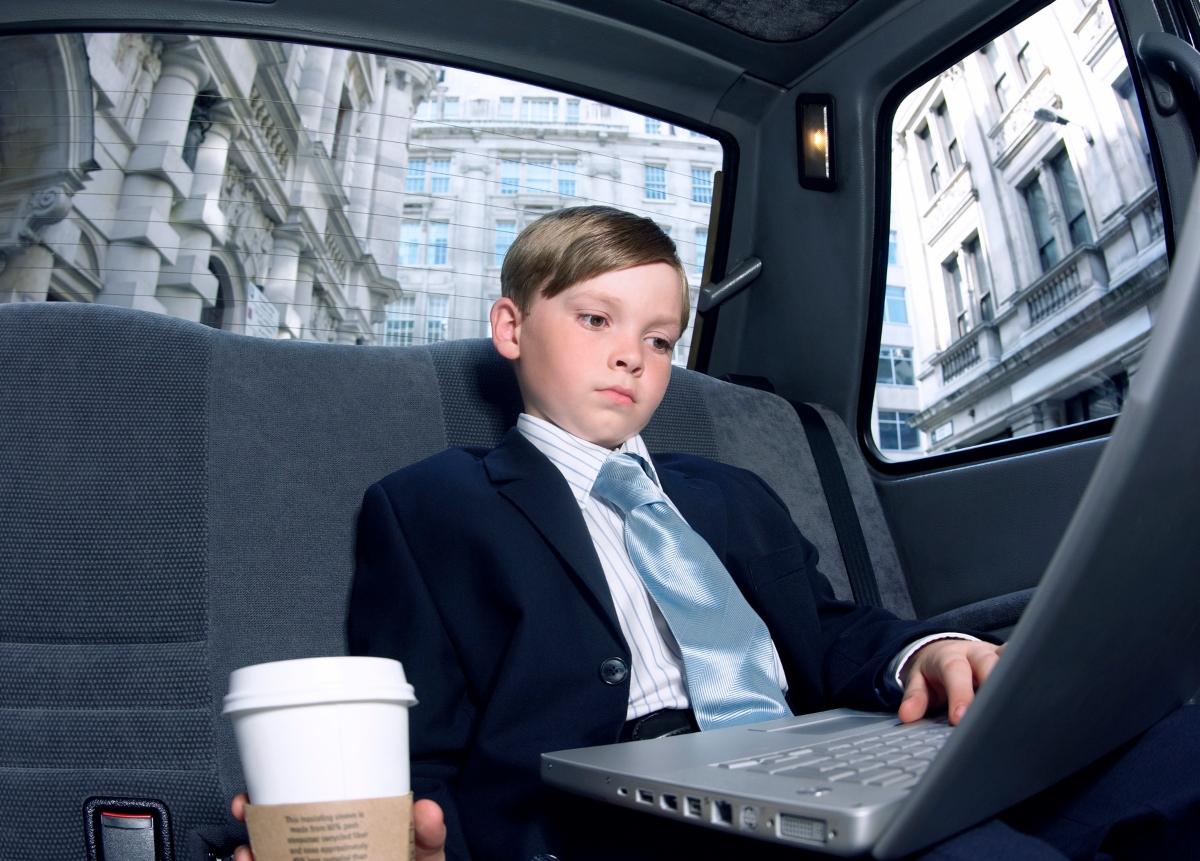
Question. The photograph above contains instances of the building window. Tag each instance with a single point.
(1072, 199)
(425, 110)
(439, 241)
(653, 126)
(566, 178)
(980, 280)
(510, 176)
(702, 185)
(895, 432)
(572, 110)
(450, 108)
(506, 232)
(410, 242)
(1001, 84)
(439, 179)
(398, 327)
(929, 155)
(414, 180)
(1039, 218)
(895, 308)
(656, 182)
(538, 175)
(1131, 110)
(507, 108)
(895, 367)
(435, 320)
(946, 130)
(1028, 62)
(957, 300)
(539, 110)
(893, 249)
(701, 247)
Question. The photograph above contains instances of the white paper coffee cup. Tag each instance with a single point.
(321, 729)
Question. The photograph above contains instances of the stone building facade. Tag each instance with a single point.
(1029, 226)
(253, 186)
(304, 192)
(487, 156)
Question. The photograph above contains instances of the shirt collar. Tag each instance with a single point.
(577, 459)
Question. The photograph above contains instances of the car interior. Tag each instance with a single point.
(178, 498)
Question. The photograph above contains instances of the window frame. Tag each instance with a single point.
(999, 449)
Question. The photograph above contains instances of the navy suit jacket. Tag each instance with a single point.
(475, 569)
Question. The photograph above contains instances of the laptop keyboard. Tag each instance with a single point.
(896, 758)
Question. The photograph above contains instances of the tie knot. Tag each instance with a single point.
(623, 482)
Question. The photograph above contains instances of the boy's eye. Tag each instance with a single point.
(592, 321)
(662, 345)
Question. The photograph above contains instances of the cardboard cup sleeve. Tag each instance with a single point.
(369, 829)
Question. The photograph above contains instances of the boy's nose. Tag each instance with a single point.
(628, 357)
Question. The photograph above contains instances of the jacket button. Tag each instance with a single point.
(613, 671)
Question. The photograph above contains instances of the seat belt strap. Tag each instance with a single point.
(857, 560)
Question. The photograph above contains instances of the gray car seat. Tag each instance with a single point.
(176, 502)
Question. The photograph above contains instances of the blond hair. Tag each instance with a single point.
(572, 245)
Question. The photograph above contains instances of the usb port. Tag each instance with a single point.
(722, 813)
(645, 796)
(694, 808)
(669, 801)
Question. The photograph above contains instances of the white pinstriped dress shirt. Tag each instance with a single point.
(656, 673)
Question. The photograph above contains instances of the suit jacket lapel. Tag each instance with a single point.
(700, 502)
(525, 477)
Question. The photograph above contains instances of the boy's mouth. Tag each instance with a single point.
(619, 394)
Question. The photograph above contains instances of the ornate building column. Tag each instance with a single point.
(1029, 420)
(310, 101)
(48, 153)
(334, 84)
(474, 234)
(306, 274)
(187, 286)
(142, 239)
(27, 264)
(280, 286)
(361, 175)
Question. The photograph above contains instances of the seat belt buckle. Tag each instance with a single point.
(127, 829)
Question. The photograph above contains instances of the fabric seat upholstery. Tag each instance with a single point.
(176, 502)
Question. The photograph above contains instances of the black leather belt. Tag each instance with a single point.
(659, 724)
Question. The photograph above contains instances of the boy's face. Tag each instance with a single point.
(595, 359)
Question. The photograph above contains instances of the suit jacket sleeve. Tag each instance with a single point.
(856, 642)
(392, 615)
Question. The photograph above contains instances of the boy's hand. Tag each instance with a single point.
(428, 822)
(945, 672)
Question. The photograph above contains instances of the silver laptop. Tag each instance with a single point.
(1109, 644)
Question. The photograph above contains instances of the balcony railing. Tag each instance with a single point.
(962, 357)
(978, 347)
(1081, 270)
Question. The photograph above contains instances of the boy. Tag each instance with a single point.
(502, 580)
(519, 624)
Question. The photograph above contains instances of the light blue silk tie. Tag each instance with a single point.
(728, 664)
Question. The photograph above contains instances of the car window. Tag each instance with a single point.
(1026, 249)
(293, 191)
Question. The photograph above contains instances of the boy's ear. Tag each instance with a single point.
(506, 328)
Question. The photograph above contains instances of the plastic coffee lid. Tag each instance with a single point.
(307, 681)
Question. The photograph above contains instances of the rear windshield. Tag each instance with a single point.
(291, 191)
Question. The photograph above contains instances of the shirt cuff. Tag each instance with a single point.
(901, 660)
